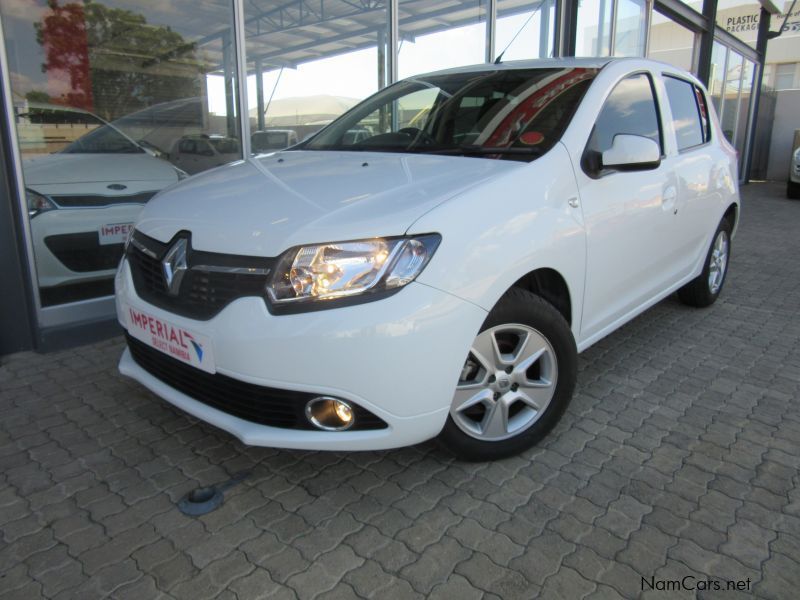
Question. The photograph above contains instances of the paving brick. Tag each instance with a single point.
(434, 565)
(456, 587)
(567, 583)
(542, 557)
(748, 543)
(172, 571)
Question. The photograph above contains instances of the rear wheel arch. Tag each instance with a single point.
(732, 215)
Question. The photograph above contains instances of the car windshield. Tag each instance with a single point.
(512, 114)
(102, 138)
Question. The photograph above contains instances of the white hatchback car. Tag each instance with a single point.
(434, 279)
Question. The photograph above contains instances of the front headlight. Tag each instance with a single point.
(37, 203)
(797, 155)
(345, 269)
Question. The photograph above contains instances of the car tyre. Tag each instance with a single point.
(704, 290)
(793, 190)
(516, 383)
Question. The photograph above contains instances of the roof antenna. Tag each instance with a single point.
(499, 58)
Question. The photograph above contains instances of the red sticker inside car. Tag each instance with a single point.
(531, 138)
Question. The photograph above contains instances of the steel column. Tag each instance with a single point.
(260, 93)
(566, 27)
(761, 49)
(707, 41)
(491, 30)
(241, 77)
(393, 38)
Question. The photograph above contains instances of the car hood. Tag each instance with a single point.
(265, 206)
(96, 168)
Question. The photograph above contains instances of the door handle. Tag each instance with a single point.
(573, 202)
(668, 199)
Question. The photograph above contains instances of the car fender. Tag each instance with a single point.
(498, 232)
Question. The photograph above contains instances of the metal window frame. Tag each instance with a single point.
(241, 77)
(392, 39)
(16, 161)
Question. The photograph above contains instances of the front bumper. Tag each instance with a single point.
(398, 358)
(74, 227)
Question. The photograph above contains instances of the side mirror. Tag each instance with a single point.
(632, 153)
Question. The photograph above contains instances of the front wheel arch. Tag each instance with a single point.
(551, 286)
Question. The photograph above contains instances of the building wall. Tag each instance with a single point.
(787, 120)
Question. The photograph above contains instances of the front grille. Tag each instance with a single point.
(255, 403)
(211, 282)
(93, 200)
(83, 253)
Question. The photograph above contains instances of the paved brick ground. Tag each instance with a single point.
(678, 456)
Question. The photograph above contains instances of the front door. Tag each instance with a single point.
(629, 215)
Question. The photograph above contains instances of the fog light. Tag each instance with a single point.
(330, 414)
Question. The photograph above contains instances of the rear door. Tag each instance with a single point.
(692, 162)
(629, 215)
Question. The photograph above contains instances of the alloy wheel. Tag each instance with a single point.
(506, 384)
(718, 262)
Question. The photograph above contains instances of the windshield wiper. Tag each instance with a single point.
(474, 149)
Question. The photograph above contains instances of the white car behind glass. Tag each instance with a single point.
(83, 199)
(439, 277)
(200, 152)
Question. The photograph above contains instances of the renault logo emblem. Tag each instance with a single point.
(174, 266)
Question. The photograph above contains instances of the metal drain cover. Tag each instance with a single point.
(203, 500)
(200, 501)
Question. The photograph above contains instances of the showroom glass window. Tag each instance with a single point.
(106, 97)
(672, 43)
(630, 29)
(525, 30)
(686, 113)
(594, 28)
(439, 35)
(730, 95)
(743, 112)
(716, 80)
(305, 67)
(629, 109)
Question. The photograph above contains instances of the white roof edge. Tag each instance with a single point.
(771, 7)
(592, 62)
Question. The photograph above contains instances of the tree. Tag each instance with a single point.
(38, 96)
(115, 61)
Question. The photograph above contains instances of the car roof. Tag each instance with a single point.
(540, 63)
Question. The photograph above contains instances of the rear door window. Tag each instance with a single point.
(686, 114)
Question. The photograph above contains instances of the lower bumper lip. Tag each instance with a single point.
(401, 431)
